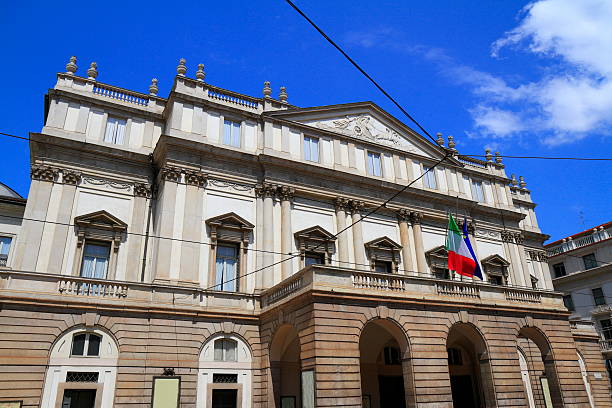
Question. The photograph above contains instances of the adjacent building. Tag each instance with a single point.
(581, 267)
(214, 249)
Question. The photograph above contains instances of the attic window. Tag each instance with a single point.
(384, 255)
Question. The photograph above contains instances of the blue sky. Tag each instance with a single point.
(523, 78)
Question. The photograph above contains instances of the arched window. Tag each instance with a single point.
(82, 369)
(224, 372)
(86, 345)
(225, 349)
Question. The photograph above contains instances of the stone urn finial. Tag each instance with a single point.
(181, 69)
(488, 155)
(522, 182)
(92, 72)
(451, 143)
(200, 74)
(498, 158)
(71, 67)
(267, 90)
(153, 89)
(282, 95)
(513, 181)
(440, 139)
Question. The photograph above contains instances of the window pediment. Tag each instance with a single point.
(229, 227)
(100, 220)
(383, 253)
(315, 233)
(437, 257)
(317, 240)
(495, 265)
(230, 220)
(383, 243)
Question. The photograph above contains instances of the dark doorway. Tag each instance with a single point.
(463, 391)
(79, 399)
(224, 399)
(391, 389)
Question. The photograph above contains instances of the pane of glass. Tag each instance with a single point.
(227, 132)
(109, 135)
(226, 251)
(377, 165)
(78, 345)
(219, 350)
(5, 245)
(93, 349)
(306, 148)
(88, 267)
(96, 250)
(236, 134)
(120, 132)
(230, 275)
(313, 260)
(370, 164)
(230, 350)
(100, 268)
(219, 274)
(314, 149)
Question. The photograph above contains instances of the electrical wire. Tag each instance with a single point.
(545, 157)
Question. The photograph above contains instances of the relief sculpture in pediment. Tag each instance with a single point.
(361, 127)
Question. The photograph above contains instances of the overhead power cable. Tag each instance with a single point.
(545, 157)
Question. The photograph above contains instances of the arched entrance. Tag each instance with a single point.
(469, 368)
(541, 367)
(386, 371)
(285, 368)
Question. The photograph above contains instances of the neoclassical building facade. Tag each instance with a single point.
(213, 249)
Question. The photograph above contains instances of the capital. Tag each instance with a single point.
(341, 204)
(169, 173)
(71, 177)
(265, 190)
(285, 193)
(43, 173)
(356, 206)
(142, 190)
(416, 217)
(403, 215)
(195, 178)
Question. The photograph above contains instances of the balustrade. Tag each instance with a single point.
(87, 287)
(605, 345)
(519, 295)
(283, 291)
(121, 94)
(458, 289)
(378, 282)
(232, 98)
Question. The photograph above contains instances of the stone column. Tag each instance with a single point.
(268, 192)
(286, 195)
(358, 248)
(403, 218)
(169, 177)
(192, 226)
(259, 222)
(516, 267)
(518, 239)
(421, 262)
(30, 237)
(140, 214)
(341, 205)
(70, 179)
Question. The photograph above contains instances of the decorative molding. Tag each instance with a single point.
(356, 206)
(195, 178)
(341, 204)
(403, 215)
(71, 177)
(416, 217)
(169, 173)
(535, 255)
(481, 232)
(142, 190)
(360, 127)
(512, 237)
(229, 184)
(98, 181)
(44, 173)
(285, 193)
(265, 190)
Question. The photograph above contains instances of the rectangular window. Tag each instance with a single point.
(429, 178)
(559, 270)
(226, 268)
(477, 192)
(382, 267)
(496, 280)
(231, 133)
(225, 349)
(589, 261)
(606, 328)
(569, 302)
(599, 297)
(115, 131)
(374, 164)
(313, 258)
(95, 260)
(5, 247)
(311, 149)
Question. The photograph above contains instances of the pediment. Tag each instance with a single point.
(439, 251)
(364, 121)
(230, 220)
(100, 219)
(315, 232)
(495, 260)
(383, 243)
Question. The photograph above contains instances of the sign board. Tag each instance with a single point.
(166, 392)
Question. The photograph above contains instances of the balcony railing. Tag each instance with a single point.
(585, 240)
(458, 289)
(91, 287)
(605, 345)
(121, 94)
(603, 309)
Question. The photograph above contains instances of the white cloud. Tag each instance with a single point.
(568, 103)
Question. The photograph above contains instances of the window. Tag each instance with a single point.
(86, 345)
(429, 178)
(231, 133)
(496, 269)
(5, 247)
(559, 270)
(226, 267)
(374, 164)
(496, 280)
(599, 297)
(569, 302)
(477, 192)
(225, 349)
(115, 131)
(95, 260)
(454, 356)
(311, 149)
(314, 258)
(606, 328)
(392, 356)
(589, 261)
(383, 267)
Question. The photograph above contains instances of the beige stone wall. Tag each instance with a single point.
(595, 365)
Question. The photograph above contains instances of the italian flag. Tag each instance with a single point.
(461, 257)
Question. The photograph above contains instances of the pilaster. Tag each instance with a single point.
(285, 195)
(359, 250)
(416, 218)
